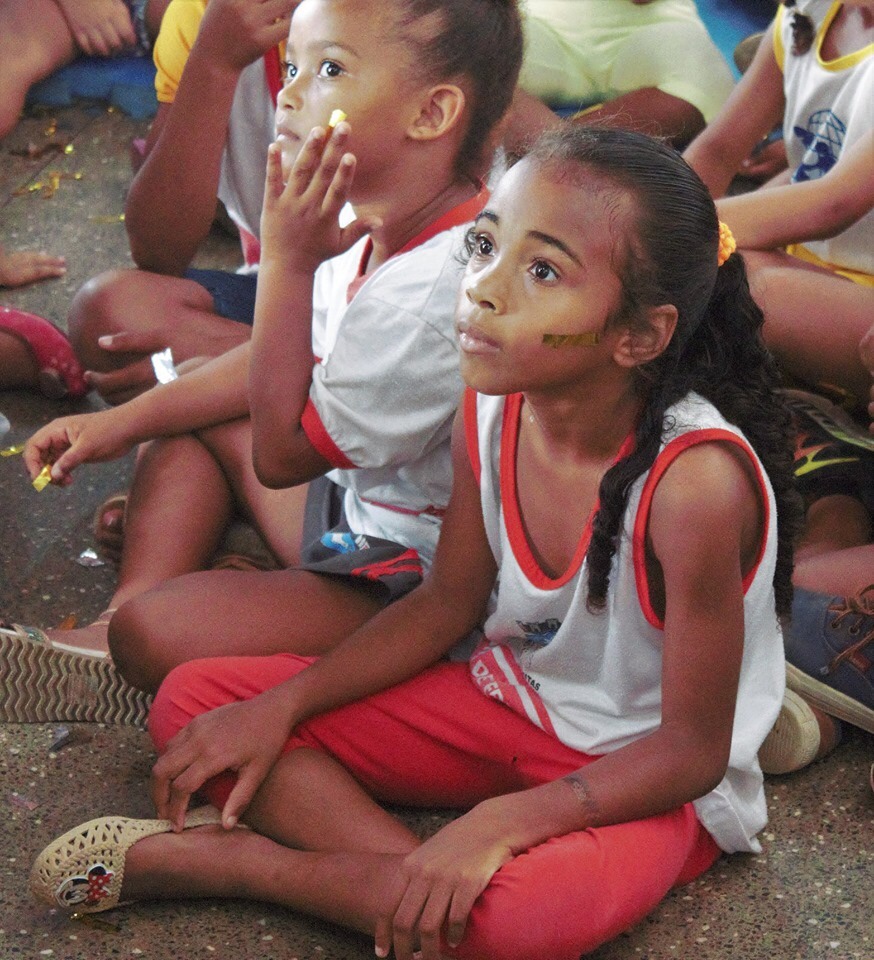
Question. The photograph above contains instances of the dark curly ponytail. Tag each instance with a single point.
(716, 350)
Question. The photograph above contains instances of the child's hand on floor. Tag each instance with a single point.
(99, 28)
(246, 738)
(300, 226)
(19, 268)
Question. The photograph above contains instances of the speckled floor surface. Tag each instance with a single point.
(808, 896)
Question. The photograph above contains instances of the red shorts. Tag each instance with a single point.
(435, 740)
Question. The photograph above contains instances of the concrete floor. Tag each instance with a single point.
(808, 896)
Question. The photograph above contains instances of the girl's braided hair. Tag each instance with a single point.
(669, 256)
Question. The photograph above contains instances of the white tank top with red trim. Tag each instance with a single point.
(594, 680)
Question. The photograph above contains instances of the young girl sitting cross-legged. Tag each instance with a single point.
(423, 90)
(618, 539)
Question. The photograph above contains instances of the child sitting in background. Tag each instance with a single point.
(620, 528)
(39, 36)
(814, 71)
(646, 65)
(375, 410)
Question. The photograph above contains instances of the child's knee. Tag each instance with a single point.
(97, 309)
(135, 644)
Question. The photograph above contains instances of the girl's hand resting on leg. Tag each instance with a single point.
(440, 881)
(245, 738)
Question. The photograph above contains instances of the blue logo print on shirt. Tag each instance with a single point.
(540, 634)
(823, 140)
(344, 542)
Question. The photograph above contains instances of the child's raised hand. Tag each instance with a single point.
(69, 441)
(235, 33)
(300, 219)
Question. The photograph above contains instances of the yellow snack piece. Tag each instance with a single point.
(43, 478)
(336, 117)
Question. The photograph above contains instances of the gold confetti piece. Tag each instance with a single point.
(112, 218)
(90, 920)
(43, 478)
(68, 622)
(337, 116)
(556, 340)
(69, 149)
(52, 128)
(12, 451)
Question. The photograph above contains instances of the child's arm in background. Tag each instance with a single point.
(213, 393)
(172, 200)
(811, 210)
(754, 108)
(397, 644)
(709, 495)
(299, 231)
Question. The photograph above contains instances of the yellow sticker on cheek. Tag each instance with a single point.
(337, 116)
(556, 340)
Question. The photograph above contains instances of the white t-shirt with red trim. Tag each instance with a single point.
(594, 680)
(386, 383)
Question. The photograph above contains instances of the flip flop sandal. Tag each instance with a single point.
(103, 533)
(60, 373)
(83, 870)
(46, 681)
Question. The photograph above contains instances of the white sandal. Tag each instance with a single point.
(83, 870)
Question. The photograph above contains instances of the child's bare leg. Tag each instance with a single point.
(34, 41)
(179, 505)
(814, 319)
(158, 312)
(332, 851)
(228, 613)
(17, 366)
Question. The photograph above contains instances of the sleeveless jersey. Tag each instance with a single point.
(828, 109)
(594, 680)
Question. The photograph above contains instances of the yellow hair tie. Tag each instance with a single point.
(727, 244)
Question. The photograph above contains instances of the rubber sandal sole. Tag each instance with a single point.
(830, 701)
(794, 739)
(43, 684)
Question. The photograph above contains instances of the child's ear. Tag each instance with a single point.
(636, 347)
(441, 109)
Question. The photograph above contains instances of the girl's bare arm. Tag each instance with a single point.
(811, 210)
(754, 108)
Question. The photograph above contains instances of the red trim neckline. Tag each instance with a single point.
(512, 511)
(463, 213)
